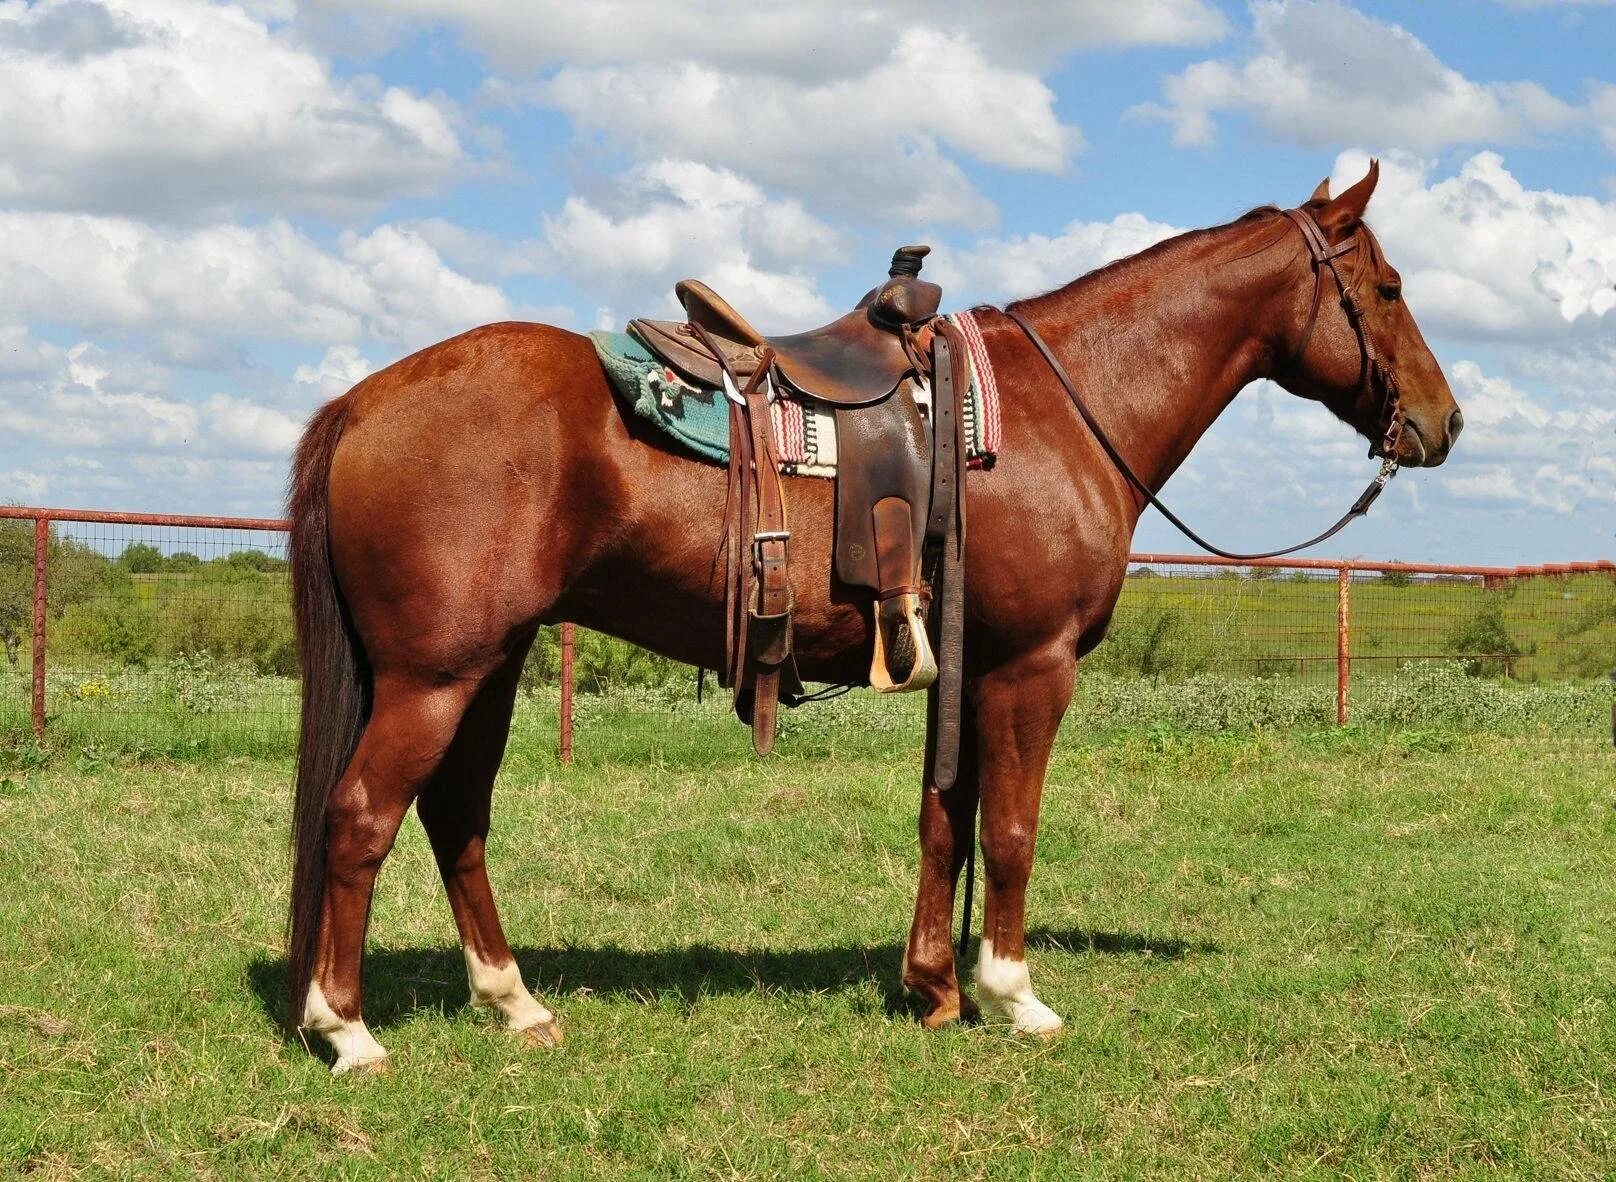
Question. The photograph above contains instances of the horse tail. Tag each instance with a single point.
(336, 687)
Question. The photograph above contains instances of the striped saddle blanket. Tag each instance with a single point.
(697, 419)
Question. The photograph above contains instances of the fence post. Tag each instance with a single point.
(566, 693)
(41, 556)
(1343, 656)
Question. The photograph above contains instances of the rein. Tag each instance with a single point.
(1370, 369)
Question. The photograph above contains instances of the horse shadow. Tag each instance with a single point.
(401, 981)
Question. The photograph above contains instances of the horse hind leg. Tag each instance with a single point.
(455, 809)
(410, 727)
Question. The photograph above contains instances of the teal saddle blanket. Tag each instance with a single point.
(696, 418)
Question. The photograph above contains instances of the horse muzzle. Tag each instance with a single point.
(1424, 444)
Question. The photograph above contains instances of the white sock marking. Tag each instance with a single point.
(501, 988)
(352, 1041)
(1005, 991)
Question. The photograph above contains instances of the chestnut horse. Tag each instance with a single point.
(447, 506)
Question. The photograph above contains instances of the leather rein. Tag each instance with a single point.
(1371, 369)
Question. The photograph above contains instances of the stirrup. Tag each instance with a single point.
(903, 660)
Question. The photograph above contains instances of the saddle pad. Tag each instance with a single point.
(697, 419)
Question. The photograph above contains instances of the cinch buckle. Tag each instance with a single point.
(772, 535)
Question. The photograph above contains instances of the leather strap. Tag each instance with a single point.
(770, 641)
(1388, 468)
(899, 592)
(758, 600)
(945, 534)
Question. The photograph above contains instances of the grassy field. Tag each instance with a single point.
(1299, 953)
(1286, 624)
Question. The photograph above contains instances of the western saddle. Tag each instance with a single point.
(893, 373)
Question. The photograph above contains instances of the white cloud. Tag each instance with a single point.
(1519, 448)
(90, 400)
(272, 281)
(800, 38)
(857, 144)
(1010, 268)
(336, 373)
(676, 219)
(1482, 255)
(1602, 110)
(87, 425)
(250, 428)
(180, 108)
(1322, 73)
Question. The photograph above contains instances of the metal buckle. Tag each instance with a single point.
(782, 536)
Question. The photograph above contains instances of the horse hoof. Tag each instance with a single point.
(1040, 1033)
(545, 1035)
(381, 1066)
(942, 1015)
(1037, 1022)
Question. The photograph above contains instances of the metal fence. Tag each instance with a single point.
(114, 621)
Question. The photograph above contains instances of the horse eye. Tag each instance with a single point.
(1391, 291)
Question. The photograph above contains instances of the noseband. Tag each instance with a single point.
(1370, 369)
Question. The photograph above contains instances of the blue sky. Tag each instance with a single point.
(214, 216)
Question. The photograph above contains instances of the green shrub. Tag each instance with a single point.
(601, 664)
(1153, 643)
(197, 683)
(253, 560)
(228, 611)
(117, 626)
(1483, 640)
(1424, 694)
(141, 558)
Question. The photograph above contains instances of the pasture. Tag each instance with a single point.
(1279, 950)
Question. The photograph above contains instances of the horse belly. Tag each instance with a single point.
(662, 583)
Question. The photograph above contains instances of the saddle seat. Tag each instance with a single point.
(895, 467)
(855, 360)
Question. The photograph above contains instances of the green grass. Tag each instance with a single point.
(1301, 954)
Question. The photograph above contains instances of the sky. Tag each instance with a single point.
(215, 216)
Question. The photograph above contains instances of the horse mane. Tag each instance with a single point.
(1256, 213)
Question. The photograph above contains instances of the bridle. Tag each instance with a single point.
(1370, 367)
(1370, 370)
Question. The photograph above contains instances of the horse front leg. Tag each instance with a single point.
(1019, 707)
(947, 829)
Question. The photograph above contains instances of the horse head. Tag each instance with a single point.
(1353, 344)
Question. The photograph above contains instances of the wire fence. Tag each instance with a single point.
(118, 627)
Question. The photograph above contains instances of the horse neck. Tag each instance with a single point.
(1160, 343)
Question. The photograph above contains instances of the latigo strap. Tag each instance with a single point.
(758, 602)
(945, 546)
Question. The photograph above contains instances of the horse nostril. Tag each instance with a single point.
(1455, 425)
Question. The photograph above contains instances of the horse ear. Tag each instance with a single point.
(1322, 193)
(1342, 215)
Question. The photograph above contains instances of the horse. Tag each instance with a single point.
(449, 505)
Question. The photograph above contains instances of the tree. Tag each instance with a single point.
(141, 558)
(1484, 640)
(77, 572)
(254, 560)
